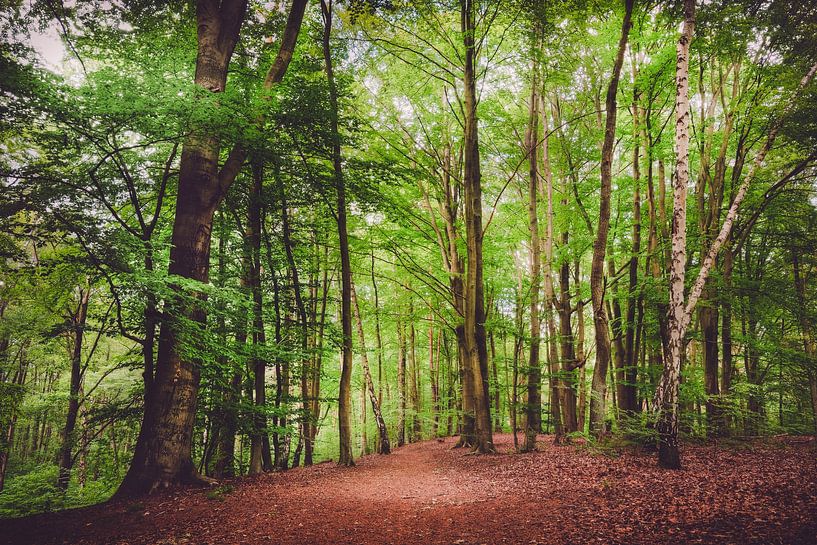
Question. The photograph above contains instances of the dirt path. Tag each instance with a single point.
(429, 493)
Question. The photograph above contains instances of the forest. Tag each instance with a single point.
(521, 270)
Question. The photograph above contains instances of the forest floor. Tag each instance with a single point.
(756, 492)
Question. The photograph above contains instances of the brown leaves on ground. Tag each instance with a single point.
(763, 492)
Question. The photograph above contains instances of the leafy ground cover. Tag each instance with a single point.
(755, 492)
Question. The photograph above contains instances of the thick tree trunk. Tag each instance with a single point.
(476, 359)
(600, 319)
(666, 402)
(162, 456)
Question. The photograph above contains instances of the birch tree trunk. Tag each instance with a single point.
(667, 392)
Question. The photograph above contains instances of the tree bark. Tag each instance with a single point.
(162, 456)
(666, 399)
(533, 405)
(627, 377)
(476, 359)
(600, 319)
(667, 393)
(345, 456)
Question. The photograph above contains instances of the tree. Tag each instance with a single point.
(162, 454)
(533, 407)
(475, 381)
(345, 396)
(666, 399)
(600, 319)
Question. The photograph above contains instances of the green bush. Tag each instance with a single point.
(30, 493)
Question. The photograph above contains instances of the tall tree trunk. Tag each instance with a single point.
(315, 379)
(755, 403)
(162, 456)
(378, 337)
(569, 362)
(78, 320)
(726, 329)
(225, 460)
(495, 388)
(551, 303)
(518, 336)
(259, 459)
(300, 307)
(533, 405)
(414, 390)
(626, 379)
(600, 319)
(477, 351)
(345, 456)
(667, 393)
(666, 399)
(617, 327)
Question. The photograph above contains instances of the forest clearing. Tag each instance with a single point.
(432, 494)
(432, 271)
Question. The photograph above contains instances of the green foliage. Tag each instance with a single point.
(89, 169)
(32, 492)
